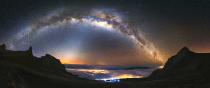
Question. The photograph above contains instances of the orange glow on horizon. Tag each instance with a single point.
(95, 71)
(110, 72)
(125, 76)
(71, 61)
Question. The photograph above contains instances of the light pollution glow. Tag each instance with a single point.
(95, 72)
(96, 18)
(126, 76)
(122, 76)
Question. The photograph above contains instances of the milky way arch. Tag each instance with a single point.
(109, 20)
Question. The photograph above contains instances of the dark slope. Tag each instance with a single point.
(186, 65)
(20, 69)
(186, 69)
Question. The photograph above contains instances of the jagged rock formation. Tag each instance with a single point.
(20, 69)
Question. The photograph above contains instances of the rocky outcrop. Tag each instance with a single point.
(28, 61)
(184, 63)
(185, 69)
(20, 69)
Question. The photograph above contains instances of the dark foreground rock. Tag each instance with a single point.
(20, 69)
(186, 69)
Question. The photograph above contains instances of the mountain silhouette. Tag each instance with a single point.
(20, 69)
(185, 62)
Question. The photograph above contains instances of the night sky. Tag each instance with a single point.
(106, 32)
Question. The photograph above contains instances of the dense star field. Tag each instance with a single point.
(104, 43)
(100, 35)
(95, 32)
